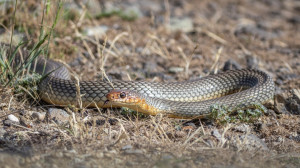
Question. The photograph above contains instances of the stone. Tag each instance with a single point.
(176, 69)
(242, 128)
(58, 115)
(13, 118)
(249, 142)
(293, 102)
(279, 104)
(39, 116)
(126, 147)
(8, 123)
(2, 132)
(216, 134)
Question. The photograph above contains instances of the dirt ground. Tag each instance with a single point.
(167, 40)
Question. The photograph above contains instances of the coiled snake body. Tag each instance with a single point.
(180, 99)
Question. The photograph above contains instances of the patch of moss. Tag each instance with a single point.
(223, 114)
(28, 82)
(128, 112)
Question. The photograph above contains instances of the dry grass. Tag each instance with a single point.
(126, 51)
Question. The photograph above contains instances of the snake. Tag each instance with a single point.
(184, 99)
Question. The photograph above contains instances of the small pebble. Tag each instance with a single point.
(242, 128)
(126, 147)
(7, 123)
(13, 118)
(39, 116)
(58, 115)
(176, 69)
(216, 134)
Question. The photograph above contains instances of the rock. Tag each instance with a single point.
(2, 132)
(176, 69)
(13, 118)
(185, 25)
(58, 115)
(279, 104)
(126, 147)
(293, 102)
(293, 107)
(8, 123)
(216, 134)
(249, 142)
(231, 65)
(95, 31)
(296, 94)
(287, 103)
(39, 116)
(242, 128)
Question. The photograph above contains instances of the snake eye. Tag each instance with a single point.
(122, 95)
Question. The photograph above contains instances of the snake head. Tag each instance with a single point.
(123, 97)
(130, 99)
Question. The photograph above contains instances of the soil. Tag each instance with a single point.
(163, 41)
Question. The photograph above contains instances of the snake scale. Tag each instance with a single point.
(186, 99)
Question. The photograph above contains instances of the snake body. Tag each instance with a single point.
(179, 99)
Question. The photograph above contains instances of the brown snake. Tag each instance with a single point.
(189, 99)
